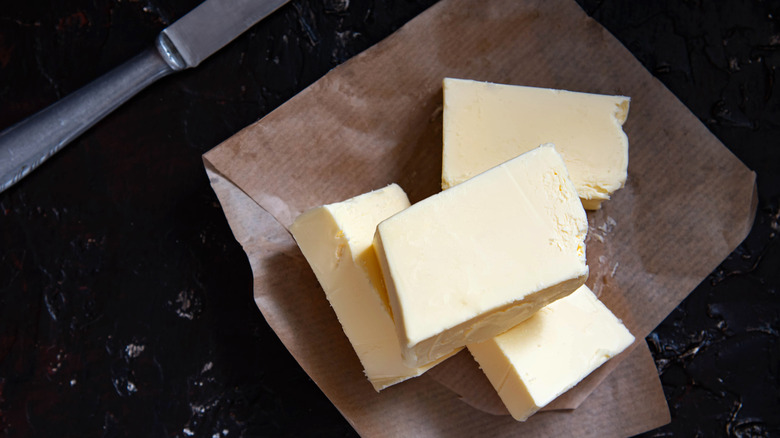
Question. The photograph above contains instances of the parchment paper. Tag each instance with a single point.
(376, 119)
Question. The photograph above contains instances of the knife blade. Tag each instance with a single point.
(184, 44)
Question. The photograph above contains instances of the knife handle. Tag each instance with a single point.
(27, 144)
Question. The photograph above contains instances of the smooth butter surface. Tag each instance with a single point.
(540, 359)
(473, 261)
(336, 240)
(486, 124)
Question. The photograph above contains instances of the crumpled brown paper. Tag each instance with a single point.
(376, 119)
(629, 401)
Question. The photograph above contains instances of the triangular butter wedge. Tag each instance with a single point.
(485, 124)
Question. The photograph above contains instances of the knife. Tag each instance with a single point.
(184, 44)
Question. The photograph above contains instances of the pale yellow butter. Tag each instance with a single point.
(540, 359)
(473, 261)
(336, 240)
(485, 124)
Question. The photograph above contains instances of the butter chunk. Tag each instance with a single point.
(336, 240)
(546, 355)
(470, 262)
(485, 124)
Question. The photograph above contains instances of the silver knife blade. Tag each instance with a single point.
(184, 44)
(213, 24)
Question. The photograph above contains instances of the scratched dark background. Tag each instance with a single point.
(126, 305)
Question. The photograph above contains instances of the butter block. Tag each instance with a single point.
(470, 262)
(546, 355)
(485, 124)
(336, 240)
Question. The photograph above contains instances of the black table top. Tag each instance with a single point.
(126, 305)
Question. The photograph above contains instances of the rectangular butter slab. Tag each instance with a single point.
(546, 355)
(486, 124)
(473, 261)
(336, 240)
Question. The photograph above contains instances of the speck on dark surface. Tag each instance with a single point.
(126, 305)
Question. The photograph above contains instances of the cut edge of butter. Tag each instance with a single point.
(485, 124)
(549, 353)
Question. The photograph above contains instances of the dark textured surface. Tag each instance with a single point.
(125, 303)
(718, 353)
